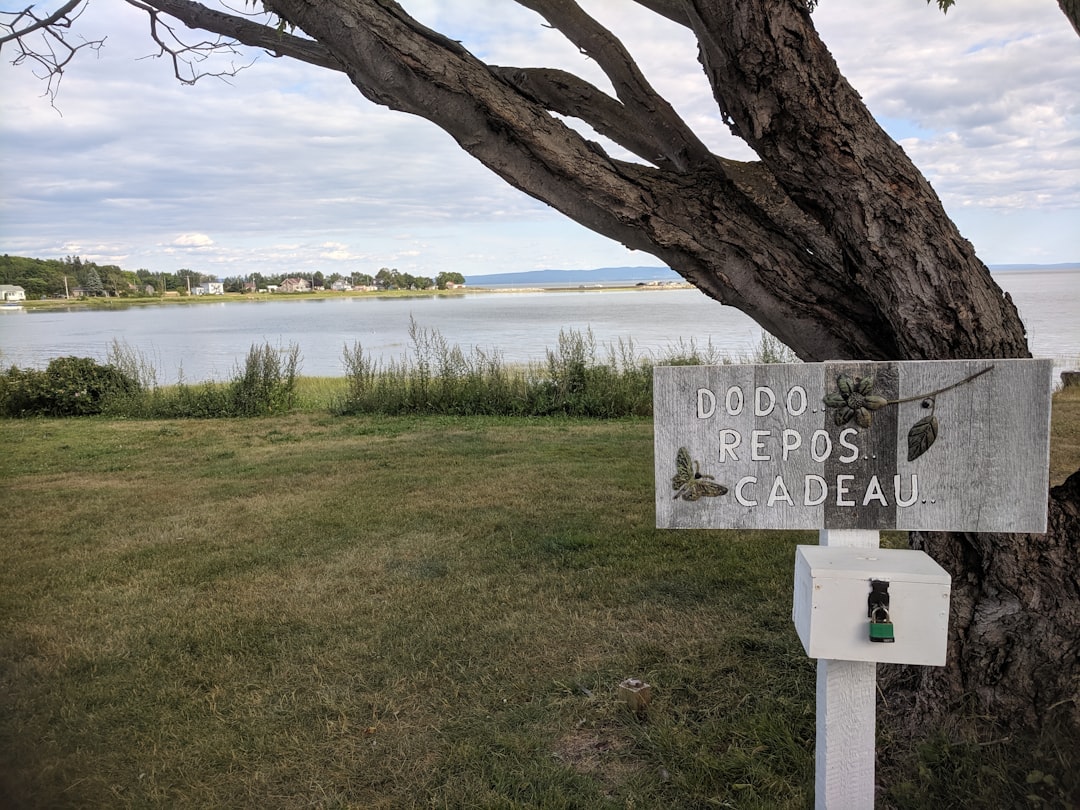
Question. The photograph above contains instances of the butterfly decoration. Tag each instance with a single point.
(689, 483)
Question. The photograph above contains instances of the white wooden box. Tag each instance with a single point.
(832, 584)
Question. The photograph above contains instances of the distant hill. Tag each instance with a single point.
(635, 274)
(1006, 268)
(595, 276)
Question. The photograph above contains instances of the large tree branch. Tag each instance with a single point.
(567, 94)
(769, 249)
(760, 253)
(1071, 9)
(674, 10)
(681, 147)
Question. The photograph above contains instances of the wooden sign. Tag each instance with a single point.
(938, 445)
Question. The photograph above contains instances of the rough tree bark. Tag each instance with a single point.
(832, 240)
(1014, 620)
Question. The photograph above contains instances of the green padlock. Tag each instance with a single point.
(881, 626)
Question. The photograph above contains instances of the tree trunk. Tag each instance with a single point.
(833, 240)
(1014, 634)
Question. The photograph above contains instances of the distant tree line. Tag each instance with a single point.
(46, 278)
(385, 279)
(72, 275)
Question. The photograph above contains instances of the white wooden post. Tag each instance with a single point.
(846, 715)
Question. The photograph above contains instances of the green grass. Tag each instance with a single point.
(308, 610)
(320, 393)
(382, 611)
(1065, 432)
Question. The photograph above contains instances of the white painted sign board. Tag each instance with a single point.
(953, 445)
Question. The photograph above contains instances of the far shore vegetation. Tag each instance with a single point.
(71, 278)
(72, 283)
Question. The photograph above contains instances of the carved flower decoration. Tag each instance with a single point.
(853, 400)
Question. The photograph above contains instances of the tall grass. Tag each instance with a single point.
(577, 378)
(265, 384)
(437, 378)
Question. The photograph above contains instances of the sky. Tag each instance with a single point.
(286, 168)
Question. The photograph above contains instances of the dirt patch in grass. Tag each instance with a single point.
(599, 753)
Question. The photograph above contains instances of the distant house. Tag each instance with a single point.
(210, 288)
(341, 286)
(12, 292)
(294, 285)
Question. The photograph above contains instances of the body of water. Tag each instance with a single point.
(210, 340)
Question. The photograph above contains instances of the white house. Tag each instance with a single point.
(12, 292)
(210, 288)
(291, 285)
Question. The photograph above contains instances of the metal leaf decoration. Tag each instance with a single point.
(921, 436)
(688, 481)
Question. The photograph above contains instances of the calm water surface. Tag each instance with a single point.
(208, 341)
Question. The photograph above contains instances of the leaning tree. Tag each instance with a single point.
(832, 240)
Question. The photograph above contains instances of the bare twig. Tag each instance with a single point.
(47, 41)
(54, 50)
(185, 56)
(56, 18)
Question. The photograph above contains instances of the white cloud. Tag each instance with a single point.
(990, 89)
(193, 240)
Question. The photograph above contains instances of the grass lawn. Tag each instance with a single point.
(310, 611)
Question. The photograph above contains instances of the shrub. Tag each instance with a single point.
(267, 383)
(69, 386)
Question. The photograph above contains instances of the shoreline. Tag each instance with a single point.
(83, 303)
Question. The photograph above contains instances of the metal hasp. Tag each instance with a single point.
(877, 610)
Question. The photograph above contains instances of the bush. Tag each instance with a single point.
(577, 384)
(69, 386)
(267, 383)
